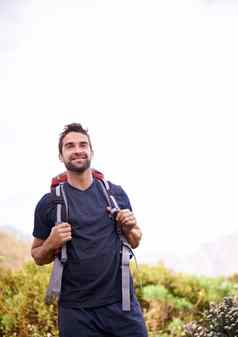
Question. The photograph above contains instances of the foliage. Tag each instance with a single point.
(169, 300)
(220, 320)
(22, 309)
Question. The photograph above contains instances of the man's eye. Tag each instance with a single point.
(68, 146)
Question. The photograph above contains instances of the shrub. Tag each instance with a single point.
(22, 309)
(169, 300)
(220, 320)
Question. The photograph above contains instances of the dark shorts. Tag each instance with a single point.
(106, 321)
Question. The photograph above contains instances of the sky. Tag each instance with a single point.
(155, 82)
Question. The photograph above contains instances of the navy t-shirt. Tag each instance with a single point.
(92, 274)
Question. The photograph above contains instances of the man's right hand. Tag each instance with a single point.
(60, 234)
(44, 251)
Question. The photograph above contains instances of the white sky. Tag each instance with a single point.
(156, 84)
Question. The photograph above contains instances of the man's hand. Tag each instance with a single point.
(127, 221)
(60, 234)
(44, 251)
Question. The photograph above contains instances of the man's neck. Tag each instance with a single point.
(82, 180)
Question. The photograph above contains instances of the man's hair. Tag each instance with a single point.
(73, 127)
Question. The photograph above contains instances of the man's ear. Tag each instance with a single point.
(60, 157)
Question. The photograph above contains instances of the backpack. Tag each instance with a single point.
(54, 287)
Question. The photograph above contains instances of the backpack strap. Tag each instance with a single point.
(126, 248)
(64, 256)
(54, 287)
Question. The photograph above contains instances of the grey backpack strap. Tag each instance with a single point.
(126, 249)
(54, 287)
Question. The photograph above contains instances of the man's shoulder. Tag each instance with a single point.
(44, 216)
(45, 201)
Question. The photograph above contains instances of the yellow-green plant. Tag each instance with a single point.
(169, 300)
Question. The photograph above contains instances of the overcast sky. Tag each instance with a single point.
(156, 84)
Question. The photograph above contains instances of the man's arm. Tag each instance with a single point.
(44, 251)
(129, 227)
(41, 252)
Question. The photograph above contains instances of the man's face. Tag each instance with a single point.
(76, 152)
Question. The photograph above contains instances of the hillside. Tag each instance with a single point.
(214, 258)
(13, 251)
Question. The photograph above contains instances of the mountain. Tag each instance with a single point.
(16, 233)
(14, 251)
(217, 258)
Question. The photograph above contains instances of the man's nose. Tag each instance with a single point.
(78, 149)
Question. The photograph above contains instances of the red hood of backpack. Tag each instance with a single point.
(62, 177)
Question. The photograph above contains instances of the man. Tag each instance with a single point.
(91, 295)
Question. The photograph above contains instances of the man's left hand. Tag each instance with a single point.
(126, 219)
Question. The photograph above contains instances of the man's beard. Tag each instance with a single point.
(78, 169)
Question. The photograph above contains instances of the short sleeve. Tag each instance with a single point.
(44, 216)
(121, 197)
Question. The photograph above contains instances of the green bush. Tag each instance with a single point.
(22, 309)
(169, 297)
(220, 320)
(169, 301)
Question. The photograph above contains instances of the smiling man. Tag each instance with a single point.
(91, 297)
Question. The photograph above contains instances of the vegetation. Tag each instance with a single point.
(220, 320)
(174, 305)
